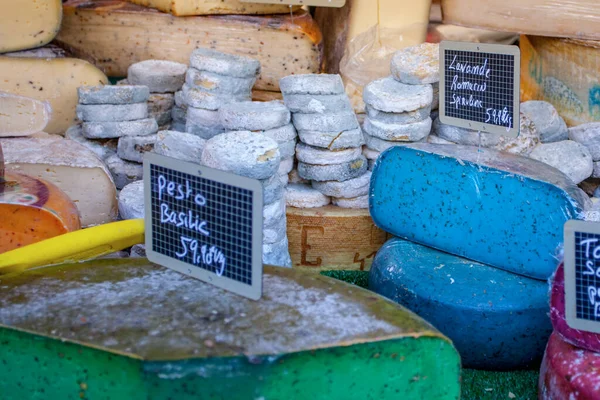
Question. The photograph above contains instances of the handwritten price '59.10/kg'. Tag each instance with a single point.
(202, 254)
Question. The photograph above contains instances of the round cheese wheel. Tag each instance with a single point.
(568, 372)
(32, 210)
(496, 319)
(585, 340)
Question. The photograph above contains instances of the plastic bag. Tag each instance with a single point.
(368, 56)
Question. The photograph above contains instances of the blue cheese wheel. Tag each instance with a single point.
(497, 320)
(497, 208)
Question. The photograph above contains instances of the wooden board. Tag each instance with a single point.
(115, 34)
(331, 238)
(563, 72)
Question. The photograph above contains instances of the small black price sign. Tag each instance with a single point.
(479, 87)
(204, 223)
(582, 275)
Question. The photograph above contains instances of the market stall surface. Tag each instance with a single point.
(476, 385)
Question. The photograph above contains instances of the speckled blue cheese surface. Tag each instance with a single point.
(496, 208)
(497, 320)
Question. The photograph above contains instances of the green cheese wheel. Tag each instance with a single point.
(123, 329)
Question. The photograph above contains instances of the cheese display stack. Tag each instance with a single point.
(271, 119)
(462, 258)
(163, 79)
(178, 113)
(571, 364)
(329, 152)
(116, 112)
(213, 80)
(256, 156)
(399, 106)
(179, 145)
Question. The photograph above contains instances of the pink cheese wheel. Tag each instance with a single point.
(569, 372)
(585, 340)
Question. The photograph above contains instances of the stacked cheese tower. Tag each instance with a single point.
(116, 112)
(163, 79)
(329, 152)
(256, 156)
(179, 145)
(398, 107)
(570, 353)
(473, 252)
(179, 113)
(271, 119)
(213, 80)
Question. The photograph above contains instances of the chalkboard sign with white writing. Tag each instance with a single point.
(204, 223)
(582, 275)
(479, 87)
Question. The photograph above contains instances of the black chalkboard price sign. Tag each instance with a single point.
(582, 275)
(479, 87)
(204, 223)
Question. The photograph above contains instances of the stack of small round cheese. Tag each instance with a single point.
(398, 107)
(163, 79)
(271, 119)
(116, 112)
(256, 156)
(329, 153)
(213, 80)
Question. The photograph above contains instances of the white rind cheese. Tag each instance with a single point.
(76, 170)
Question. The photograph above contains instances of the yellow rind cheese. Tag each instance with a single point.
(213, 7)
(573, 19)
(52, 80)
(115, 34)
(25, 24)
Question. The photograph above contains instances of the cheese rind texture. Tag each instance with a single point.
(457, 296)
(317, 326)
(283, 44)
(585, 340)
(212, 7)
(454, 198)
(22, 116)
(564, 73)
(568, 372)
(52, 80)
(27, 24)
(573, 18)
(32, 210)
(72, 167)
